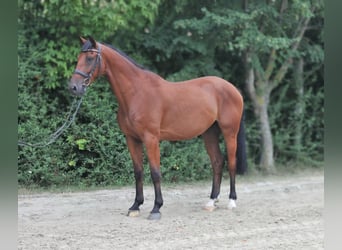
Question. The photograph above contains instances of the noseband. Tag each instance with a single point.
(87, 76)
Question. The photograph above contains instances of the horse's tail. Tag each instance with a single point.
(241, 154)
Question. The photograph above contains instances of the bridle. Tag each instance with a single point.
(87, 76)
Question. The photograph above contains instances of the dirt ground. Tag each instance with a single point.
(274, 212)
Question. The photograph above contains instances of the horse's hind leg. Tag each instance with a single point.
(211, 141)
(230, 136)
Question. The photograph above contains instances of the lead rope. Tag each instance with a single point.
(75, 106)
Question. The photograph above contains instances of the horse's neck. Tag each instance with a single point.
(123, 76)
(127, 80)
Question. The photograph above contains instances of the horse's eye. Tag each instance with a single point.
(89, 59)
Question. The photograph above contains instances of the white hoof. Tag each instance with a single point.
(210, 206)
(133, 213)
(231, 204)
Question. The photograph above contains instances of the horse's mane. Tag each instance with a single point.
(125, 56)
(87, 45)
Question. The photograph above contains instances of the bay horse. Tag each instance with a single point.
(152, 109)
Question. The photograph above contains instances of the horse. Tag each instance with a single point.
(152, 109)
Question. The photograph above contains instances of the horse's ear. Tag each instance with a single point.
(93, 42)
(82, 40)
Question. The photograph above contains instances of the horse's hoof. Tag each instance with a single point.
(210, 206)
(231, 204)
(154, 216)
(133, 213)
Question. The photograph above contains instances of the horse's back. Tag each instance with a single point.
(208, 83)
(224, 92)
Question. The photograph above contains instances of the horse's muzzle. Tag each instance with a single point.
(77, 89)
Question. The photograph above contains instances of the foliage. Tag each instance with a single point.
(268, 37)
(178, 40)
(93, 151)
(54, 25)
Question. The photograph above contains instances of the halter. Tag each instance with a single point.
(87, 76)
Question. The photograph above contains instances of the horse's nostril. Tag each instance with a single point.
(74, 88)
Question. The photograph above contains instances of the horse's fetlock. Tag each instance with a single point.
(232, 196)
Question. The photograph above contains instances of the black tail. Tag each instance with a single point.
(241, 155)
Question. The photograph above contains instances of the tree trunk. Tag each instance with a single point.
(261, 81)
(299, 108)
(267, 160)
(260, 101)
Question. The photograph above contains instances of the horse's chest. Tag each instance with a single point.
(130, 124)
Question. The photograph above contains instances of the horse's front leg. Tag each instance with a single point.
(153, 154)
(135, 148)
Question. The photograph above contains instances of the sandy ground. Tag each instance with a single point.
(275, 212)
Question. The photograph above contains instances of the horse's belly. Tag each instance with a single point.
(188, 117)
(183, 129)
(178, 135)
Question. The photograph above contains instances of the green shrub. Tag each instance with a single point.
(93, 151)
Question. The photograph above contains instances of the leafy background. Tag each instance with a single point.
(178, 40)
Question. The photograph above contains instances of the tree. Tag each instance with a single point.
(278, 47)
(53, 28)
(268, 35)
(249, 43)
(48, 45)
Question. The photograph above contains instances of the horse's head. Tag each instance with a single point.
(88, 66)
